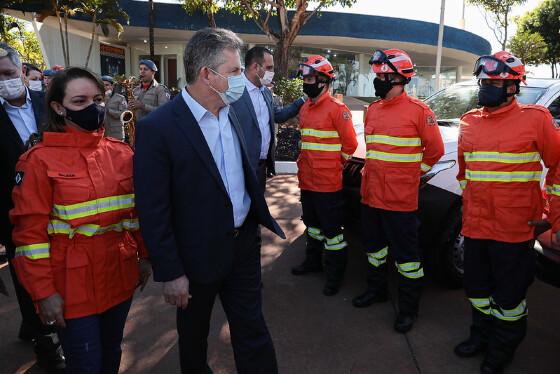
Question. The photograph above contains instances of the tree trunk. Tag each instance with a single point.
(67, 59)
(281, 58)
(92, 38)
(211, 20)
(64, 53)
(151, 17)
(504, 42)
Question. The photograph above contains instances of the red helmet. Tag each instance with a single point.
(316, 65)
(391, 61)
(501, 65)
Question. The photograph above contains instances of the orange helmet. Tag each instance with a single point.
(501, 65)
(316, 65)
(392, 61)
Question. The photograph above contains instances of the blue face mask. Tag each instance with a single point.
(236, 86)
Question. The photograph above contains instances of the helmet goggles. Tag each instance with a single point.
(492, 66)
(379, 58)
(306, 70)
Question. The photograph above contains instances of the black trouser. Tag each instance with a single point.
(497, 277)
(384, 230)
(240, 294)
(323, 216)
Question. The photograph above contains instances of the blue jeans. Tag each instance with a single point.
(92, 344)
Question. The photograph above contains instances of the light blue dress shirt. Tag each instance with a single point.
(22, 117)
(226, 151)
(263, 115)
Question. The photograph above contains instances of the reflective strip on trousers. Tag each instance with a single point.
(463, 184)
(425, 168)
(503, 176)
(93, 207)
(393, 140)
(481, 304)
(506, 158)
(34, 251)
(393, 157)
(336, 243)
(307, 146)
(412, 270)
(315, 233)
(378, 258)
(510, 315)
(320, 133)
(60, 227)
(553, 190)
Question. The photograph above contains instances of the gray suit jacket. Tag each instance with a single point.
(250, 125)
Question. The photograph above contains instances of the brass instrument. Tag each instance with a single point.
(127, 117)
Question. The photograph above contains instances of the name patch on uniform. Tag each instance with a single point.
(346, 116)
(431, 121)
(19, 177)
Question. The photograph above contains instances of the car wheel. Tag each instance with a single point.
(453, 253)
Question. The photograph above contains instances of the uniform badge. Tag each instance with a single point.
(384, 68)
(430, 120)
(346, 116)
(556, 124)
(19, 177)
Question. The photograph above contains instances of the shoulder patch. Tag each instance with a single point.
(346, 115)
(19, 177)
(430, 120)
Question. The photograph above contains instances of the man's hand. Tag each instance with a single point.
(135, 104)
(51, 310)
(145, 270)
(541, 226)
(176, 292)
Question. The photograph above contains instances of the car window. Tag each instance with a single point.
(554, 109)
(454, 101)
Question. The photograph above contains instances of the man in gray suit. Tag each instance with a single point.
(257, 113)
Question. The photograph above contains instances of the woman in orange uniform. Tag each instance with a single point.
(78, 249)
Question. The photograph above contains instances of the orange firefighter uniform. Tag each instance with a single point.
(76, 230)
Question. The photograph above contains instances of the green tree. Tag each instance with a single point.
(24, 41)
(289, 15)
(210, 7)
(497, 16)
(530, 47)
(545, 21)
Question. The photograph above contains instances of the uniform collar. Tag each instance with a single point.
(322, 98)
(512, 106)
(73, 138)
(394, 100)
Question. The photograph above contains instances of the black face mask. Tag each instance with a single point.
(90, 118)
(491, 96)
(312, 90)
(382, 88)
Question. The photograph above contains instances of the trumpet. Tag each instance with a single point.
(127, 118)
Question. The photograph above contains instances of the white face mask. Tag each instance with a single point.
(12, 88)
(108, 93)
(236, 86)
(267, 78)
(36, 85)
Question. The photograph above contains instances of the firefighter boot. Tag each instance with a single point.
(376, 291)
(312, 262)
(410, 290)
(49, 354)
(335, 265)
(478, 339)
(505, 337)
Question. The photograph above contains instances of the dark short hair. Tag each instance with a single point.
(256, 54)
(30, 67)
(57, 91)
(205, 49)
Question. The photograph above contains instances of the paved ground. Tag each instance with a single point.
(314, 334)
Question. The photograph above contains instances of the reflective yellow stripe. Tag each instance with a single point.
(321, 147)
(378, 258)
(319, 133)
(61, 227)
(412, 270)
(392, 140)
(510, 315)
(463, 184)
(315, 233)
(393, 157)
(503, 176)
(346, 156)
(336, 243)
(93, 207)
(34, 251)
(506, 158)
(425, 168)
(553, 190)
(481, 304)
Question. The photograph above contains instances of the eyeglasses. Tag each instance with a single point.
(380, 58)
(492, 66)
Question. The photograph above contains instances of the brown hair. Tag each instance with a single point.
(57, 91)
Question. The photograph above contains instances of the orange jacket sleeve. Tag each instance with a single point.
(461, 161)
(32, 197)
(345, 128)
(431, 139)
(548, 143)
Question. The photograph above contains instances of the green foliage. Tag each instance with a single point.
(24, 41)
(499, 16)
(209, 7)
(288, 89)
(530, 47)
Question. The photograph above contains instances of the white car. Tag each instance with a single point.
(439, 202)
